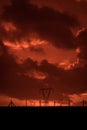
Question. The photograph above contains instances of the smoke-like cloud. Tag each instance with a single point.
(75, 7)
(82, 43)
(20, 81)
(48, 24)
(3, 4)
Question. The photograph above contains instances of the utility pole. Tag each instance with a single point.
(26, 103)
(69, 102)
(40, 103)
(54, 103)
(83, 103)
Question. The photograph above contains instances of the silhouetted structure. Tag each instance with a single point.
(40, 103)
(26, 103)
(45, 94)
(11, 104)
(69, 102)
(83, 103)
(56, 103)
(32, 103)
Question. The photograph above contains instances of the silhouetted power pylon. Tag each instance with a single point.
(11, 104)
(32, 103)
(45, 94)
(84, 103)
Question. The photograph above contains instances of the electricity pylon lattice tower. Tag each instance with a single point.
(11, 104)
(45, 92)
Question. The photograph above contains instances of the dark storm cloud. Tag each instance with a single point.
(14, 82)
(75, 7)
(65, 81)
(36, 49)
(3, 3)
(49, 24)
(82, 43)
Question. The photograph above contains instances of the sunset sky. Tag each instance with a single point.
(43, 44)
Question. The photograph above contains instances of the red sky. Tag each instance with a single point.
(43, 44)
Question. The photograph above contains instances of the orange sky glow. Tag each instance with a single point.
(43, 46)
